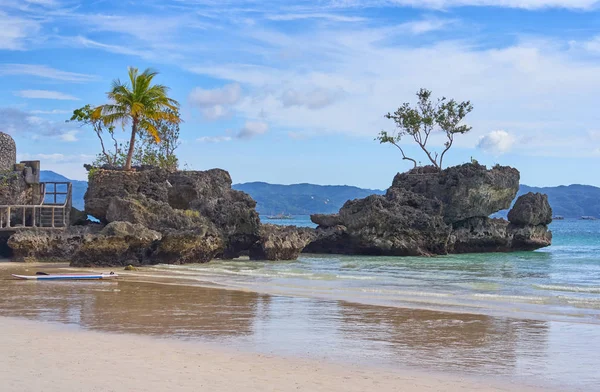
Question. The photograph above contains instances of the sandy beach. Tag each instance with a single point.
(50, 357)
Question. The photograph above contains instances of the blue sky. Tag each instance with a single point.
(289, 92)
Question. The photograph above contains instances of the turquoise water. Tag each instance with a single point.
(561, 282)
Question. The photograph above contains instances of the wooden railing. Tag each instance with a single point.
(49, 213)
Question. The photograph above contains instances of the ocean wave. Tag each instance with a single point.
(571, 289)
(519, 298)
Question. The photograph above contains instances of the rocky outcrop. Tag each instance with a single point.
(531, 209)
(118, 244)
(180, 201)
(431, 212)
(466, 191)
(281, 242)
(401, 223)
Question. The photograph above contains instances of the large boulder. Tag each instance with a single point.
(531, 209)
(466, 191)
(281, 242)
(187, 246)
(118, 244)
(401, 223)
(326, 220)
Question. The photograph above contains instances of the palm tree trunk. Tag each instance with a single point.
(131, 145)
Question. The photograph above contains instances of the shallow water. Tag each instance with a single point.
(532, 352)
(558, 283)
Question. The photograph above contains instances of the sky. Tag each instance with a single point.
(296, 91)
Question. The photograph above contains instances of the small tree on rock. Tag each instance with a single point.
(425, 119)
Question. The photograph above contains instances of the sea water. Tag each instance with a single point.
(559, 282)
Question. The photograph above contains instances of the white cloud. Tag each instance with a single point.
(213, 139)
(44, 71)
(56, 157)
(16, 31)
(496, 142)
(70, 136)
(326, 16)
(313, 99)
(45, 94)
(15, 121)
(425, 25)
(443, 4)
(252, 129)
(53, 111)
(215, 103)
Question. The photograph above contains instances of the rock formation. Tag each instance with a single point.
(281, 242)
(201, 202)
(8, 152)
(151, 216)
(429, 212)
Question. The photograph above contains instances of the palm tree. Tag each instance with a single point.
(139, 103)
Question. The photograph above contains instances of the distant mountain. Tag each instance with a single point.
(302, 199)
(571, 201)
(79, 187)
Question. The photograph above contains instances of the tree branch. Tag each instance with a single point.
(404, 157)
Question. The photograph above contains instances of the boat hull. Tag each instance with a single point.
(66, 277)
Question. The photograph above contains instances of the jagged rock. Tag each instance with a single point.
(191, 246)
(326, 220)
(49, 245)
(118, 244)
(400, 223)
(466, 191)
(480, 234)
(155, 215)
(155, 198)
(281, 242)
(531, 209)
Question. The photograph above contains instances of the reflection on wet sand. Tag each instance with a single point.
(466, 343)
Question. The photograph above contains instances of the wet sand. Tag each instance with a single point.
(185, 335)
(39, 357)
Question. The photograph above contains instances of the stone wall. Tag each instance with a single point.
(8, 152)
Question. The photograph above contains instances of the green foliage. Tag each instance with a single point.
(421, 121)
(142, 105)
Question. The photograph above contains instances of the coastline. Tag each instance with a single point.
(39, 356)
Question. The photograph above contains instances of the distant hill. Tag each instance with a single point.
(79, 187)
(302, 199)
(571, 201)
